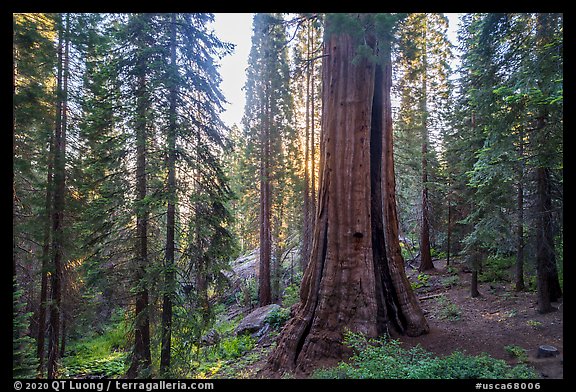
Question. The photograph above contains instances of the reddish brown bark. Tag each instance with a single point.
(312, 134)
(425, 255)
(264, 288)
(355, 279)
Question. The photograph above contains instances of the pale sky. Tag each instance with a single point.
(236, 28)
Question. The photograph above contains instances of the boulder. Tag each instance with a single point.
(256, 320)
(212, 338)
(547, 351)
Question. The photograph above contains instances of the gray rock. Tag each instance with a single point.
(547, 351)
(211, 338)
(256, 320)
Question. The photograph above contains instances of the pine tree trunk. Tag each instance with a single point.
(519, 270)
(171, 210)
(201, 273)
(353, 281)
(264, 289)
(306, 211)
(476, 262)
(64, 332)
(141, 357)
(449, 226)
(312, 142)
(202, 286)
(58, 201)
(474, 284)
(426, 263)
(45, 262)
(425, 255)
(276, 272)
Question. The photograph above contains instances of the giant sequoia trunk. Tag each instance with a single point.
(355, 278)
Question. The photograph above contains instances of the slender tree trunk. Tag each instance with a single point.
(64, 332)
(276, 272)
(307, 213)
(449, 227)
(519, 271)
(425, 255)
(171, 209)
(141, 357)
(312, 215)
(353, 280)
(202, 261)
(476, 264)
(264, 289)
(426, 263)
(45, 261)
(14, 197)
(62, 185)
(201, 281)
(474, 284)
(58, 200)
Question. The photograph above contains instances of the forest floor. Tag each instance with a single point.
(497, 319)
(500, 322)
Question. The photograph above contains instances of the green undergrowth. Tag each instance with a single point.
(101, 355)
(225, 357)
(386, 359)
(219, 361)
(497, 269)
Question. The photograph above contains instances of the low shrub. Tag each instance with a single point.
(235, 346)
(278, 317)
(103, 355)
(436, 254)
(291, 295)
(496, 269)
(450, 281)
(517, 352)
(421, 281)
(387, 359)
(448, 310)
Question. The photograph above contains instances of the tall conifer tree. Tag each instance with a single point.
(267, 124)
